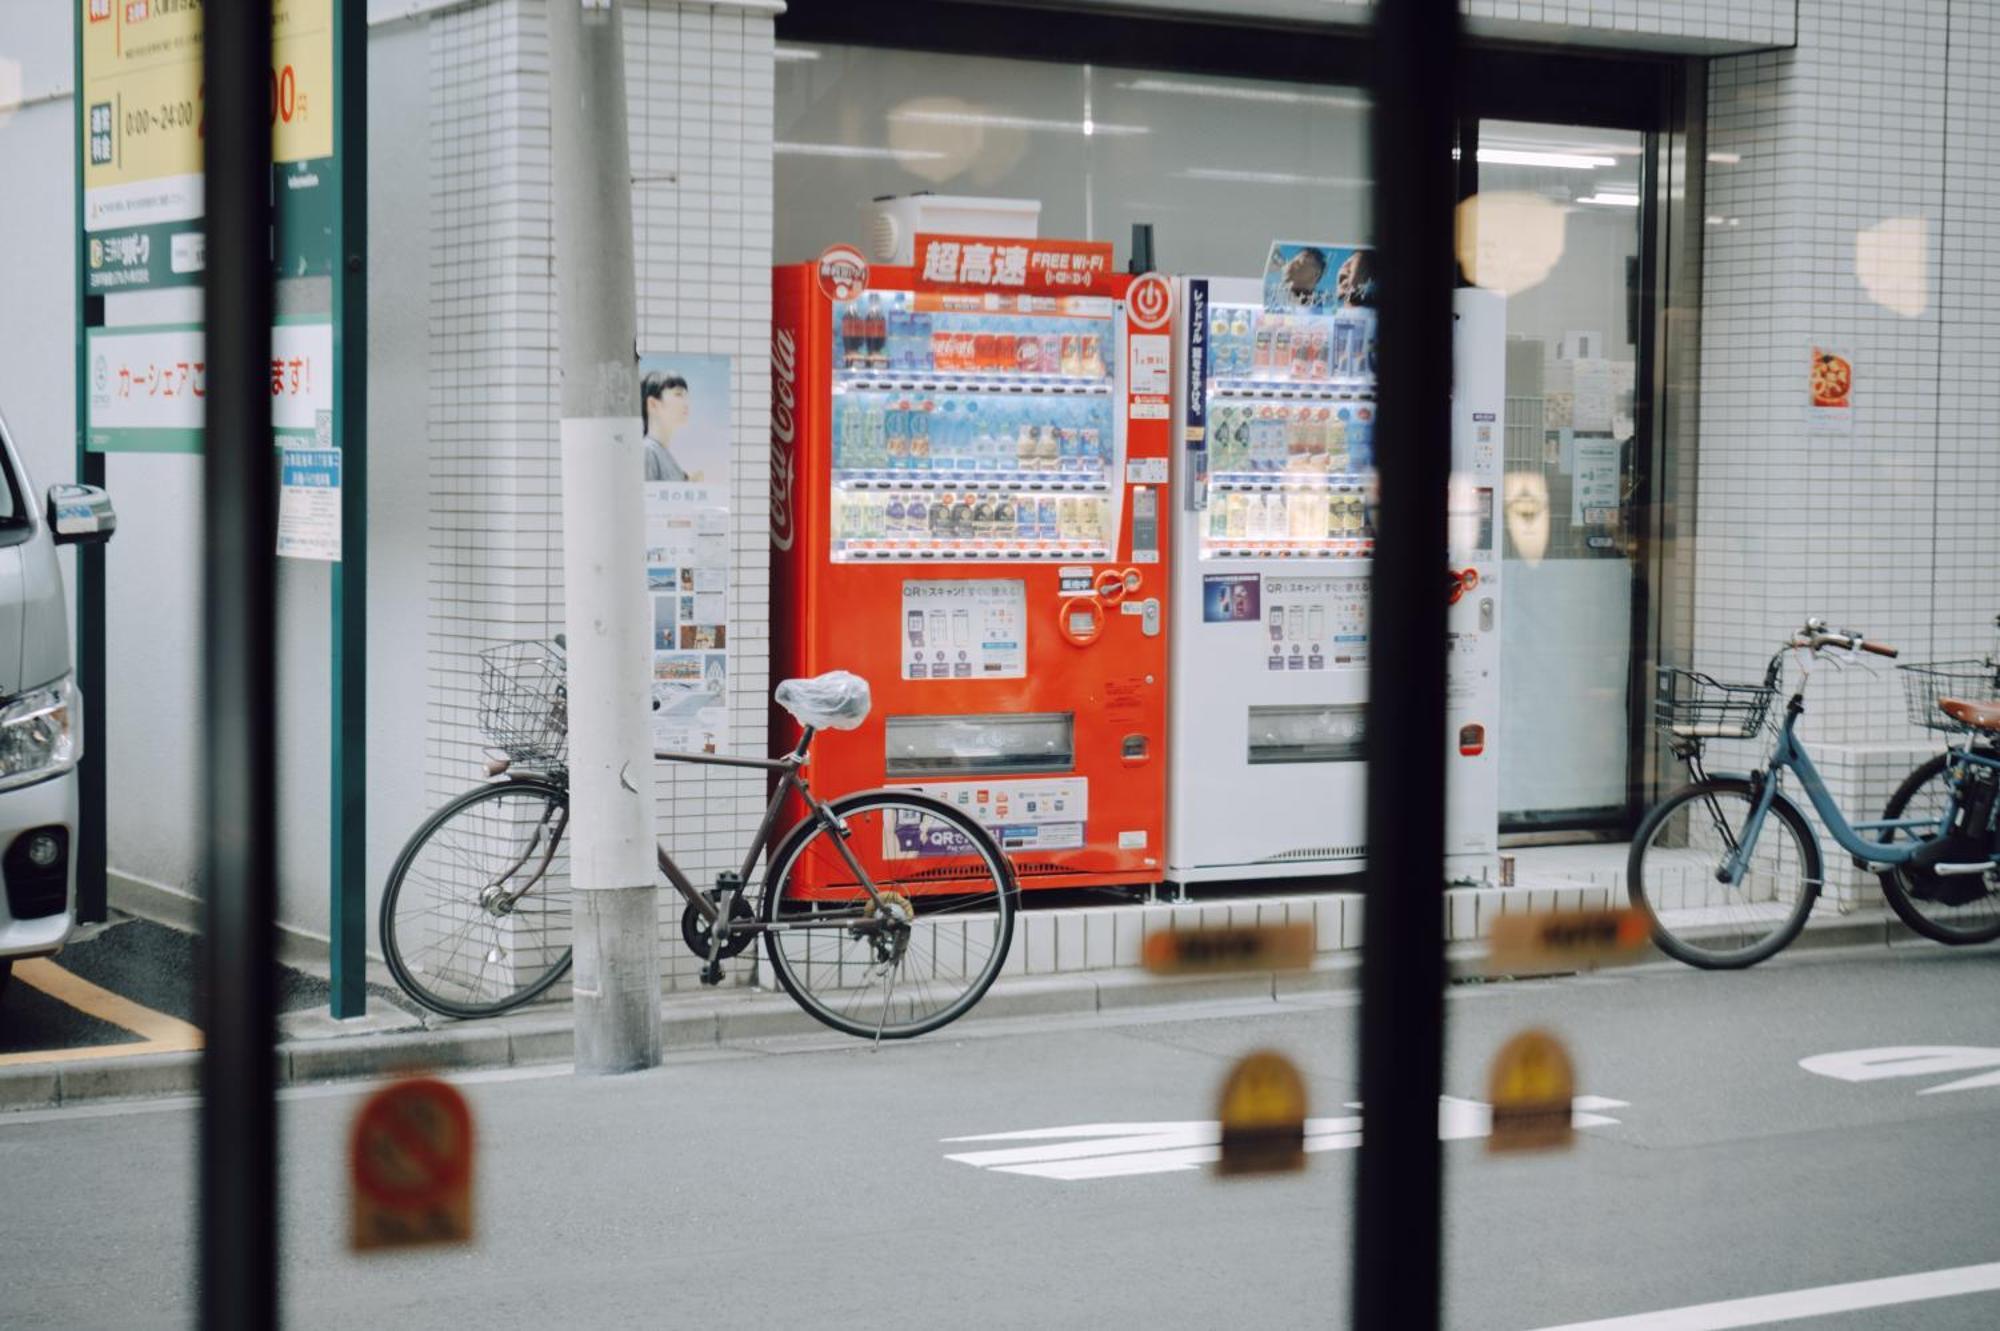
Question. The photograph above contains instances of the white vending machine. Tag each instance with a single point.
(1269, 637)
(1472, 670)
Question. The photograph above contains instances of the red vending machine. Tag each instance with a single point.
(968, 478)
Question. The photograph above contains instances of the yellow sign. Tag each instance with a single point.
(145, 115)
(1255, 947)
(1263, 1116)
(410, 1157)
(1566, 939)
(1531, 1088)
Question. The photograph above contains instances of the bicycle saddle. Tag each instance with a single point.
(1978, 715)
(836, 700)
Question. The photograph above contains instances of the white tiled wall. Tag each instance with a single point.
(699, 87)
(1850, 196)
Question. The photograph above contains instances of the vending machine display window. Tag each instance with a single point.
(1289, 417)
(969, 433)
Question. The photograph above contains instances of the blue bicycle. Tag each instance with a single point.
(1727, 868)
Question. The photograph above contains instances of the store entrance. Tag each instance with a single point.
(1575, 322)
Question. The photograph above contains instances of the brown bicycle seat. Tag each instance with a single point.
(1978, 715)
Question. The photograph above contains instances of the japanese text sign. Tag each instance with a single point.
(974, 263)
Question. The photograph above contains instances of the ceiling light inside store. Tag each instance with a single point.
(856, 150)
(788, 54)
(948, 139)
(1726, 159)
(1510, 240)
(1280, 96)
(1489, 156)
(1229, 176)
(1611, 200)
(988, 120)
(1893, 261)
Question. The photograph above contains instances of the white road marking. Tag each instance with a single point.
(1910, 1060)
(1825, 1301)
(1120, 1150)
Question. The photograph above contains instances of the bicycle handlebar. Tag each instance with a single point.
(1817, 635)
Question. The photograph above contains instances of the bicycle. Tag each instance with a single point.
(1719, 894)
(884, 913)
(1954, 909)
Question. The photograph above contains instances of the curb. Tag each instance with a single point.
(743, 1016)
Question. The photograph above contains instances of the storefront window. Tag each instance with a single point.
(1218, 166)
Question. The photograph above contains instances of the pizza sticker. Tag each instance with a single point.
(1829, 391)
(1832, 379)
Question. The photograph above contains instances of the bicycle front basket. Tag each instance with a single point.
(1691, 705)
(523, 704)
(1926, 682)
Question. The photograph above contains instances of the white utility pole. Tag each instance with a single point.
(611, 834)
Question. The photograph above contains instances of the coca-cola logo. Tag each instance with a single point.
(784, 429)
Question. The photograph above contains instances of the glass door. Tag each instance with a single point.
(1559, 220)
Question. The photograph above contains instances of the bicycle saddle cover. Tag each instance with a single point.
(836, 700)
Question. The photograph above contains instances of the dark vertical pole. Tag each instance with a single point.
(1398, 1184)
(347, 913)
(92, 840)
(239, 1227)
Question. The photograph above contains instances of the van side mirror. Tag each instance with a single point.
(80, 515)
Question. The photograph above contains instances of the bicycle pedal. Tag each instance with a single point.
(711, 974)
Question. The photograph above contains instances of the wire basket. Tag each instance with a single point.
(1969, 680)
(1691, 705)
(523, 702)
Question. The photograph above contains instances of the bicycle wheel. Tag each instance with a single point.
(476, 917)
(1923, 794)
(1677, 854)
(923, 955)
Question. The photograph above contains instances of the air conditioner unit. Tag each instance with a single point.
(899, 219)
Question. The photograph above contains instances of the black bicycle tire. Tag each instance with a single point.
(1675, 947)
(385, 920)
(795, 841)
(1893, 890)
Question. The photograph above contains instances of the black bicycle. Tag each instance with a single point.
(884, 913)
(1955, 792)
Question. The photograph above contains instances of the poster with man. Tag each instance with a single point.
(684, 414)
(1303, 276)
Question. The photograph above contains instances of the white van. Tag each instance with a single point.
(41, 713)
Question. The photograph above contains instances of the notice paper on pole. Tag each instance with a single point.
(684, 402)
(309, 497)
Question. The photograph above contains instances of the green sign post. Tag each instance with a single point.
(141, 370)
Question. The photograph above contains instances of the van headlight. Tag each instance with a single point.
(41, 734)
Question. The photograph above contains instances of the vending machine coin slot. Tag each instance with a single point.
(1149, 617)
(1081, 620)
(1110, 586)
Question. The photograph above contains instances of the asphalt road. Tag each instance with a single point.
(810, 1184)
